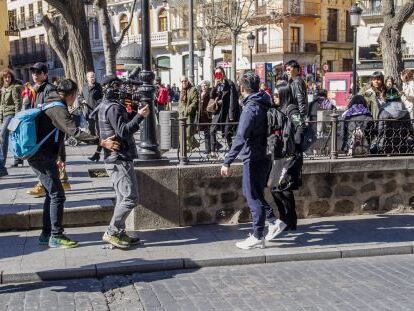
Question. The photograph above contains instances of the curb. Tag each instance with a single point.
(136, 265)
(74, 216)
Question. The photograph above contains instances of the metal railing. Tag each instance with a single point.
(330, 139)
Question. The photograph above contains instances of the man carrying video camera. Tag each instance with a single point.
(114, 121)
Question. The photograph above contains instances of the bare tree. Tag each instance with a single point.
(237, 15)
(69, 38)
(210, 29)
(110, 44)
(390, 36)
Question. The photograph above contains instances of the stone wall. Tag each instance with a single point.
(189, 195)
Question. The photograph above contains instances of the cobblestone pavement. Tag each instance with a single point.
(375, 283)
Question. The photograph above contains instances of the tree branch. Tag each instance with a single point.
(125, 30)
(60, 45)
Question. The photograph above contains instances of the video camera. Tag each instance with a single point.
(126, 93)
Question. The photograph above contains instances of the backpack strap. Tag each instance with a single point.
(55, 131)
(51, 105)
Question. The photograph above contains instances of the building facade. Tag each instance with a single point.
(4, 35)
(336, 35)
(369, 52)
(29, 42)
(28, 45)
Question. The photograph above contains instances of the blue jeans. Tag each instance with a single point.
(4, 134)
(255, 175)
(48, 174)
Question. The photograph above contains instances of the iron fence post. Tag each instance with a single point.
(183, 141)
(334, 131)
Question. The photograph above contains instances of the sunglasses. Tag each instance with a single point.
(37, 71)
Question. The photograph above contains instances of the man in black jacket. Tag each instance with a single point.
(298, 86)
(57, 120)
(224, 92)
(90, 95)
(114, 121)
(43, 88)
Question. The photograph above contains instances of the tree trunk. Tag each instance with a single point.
(212, 64)
(234, 36)
(78, 58)
(390, 36)
(107, 40)
(390, 40)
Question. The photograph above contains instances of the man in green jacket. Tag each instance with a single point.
(187, 108)
(10, 104)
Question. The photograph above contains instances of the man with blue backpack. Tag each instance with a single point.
(37, 135)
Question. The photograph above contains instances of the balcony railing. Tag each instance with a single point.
(283, 46)
(157, 38)
(301, 8)
(373, 52)
(28, 58)
(30, 22)
(21, 24)
(289, 8)
(262, 48)
(373, 7)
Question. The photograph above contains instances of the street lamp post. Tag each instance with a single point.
(355, 18)
(250, 42)
(202, 54)
(148, 148)
(191, 42)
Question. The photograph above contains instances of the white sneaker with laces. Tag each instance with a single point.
(275, 229)
(251, 242)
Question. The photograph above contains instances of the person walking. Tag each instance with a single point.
(114, 122)
(10, 104)
(286, 173)
(187, 108)
(43, 162)
(250, 144)
(225, 94)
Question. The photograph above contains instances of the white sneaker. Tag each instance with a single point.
(251, 242)
(275, 229)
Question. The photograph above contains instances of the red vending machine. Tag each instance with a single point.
(338, 85)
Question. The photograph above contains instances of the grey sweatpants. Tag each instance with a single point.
(125, 184)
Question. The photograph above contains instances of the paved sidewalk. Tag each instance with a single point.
(21, 259)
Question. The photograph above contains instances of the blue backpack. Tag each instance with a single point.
(23, 132)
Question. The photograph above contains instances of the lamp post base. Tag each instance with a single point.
(151, 162)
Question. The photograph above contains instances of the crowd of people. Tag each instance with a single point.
(268, 129)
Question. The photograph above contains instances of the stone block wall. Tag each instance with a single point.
(189, 195)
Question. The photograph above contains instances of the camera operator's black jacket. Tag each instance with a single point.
(113, 120)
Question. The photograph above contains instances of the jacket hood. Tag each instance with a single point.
(260, 97)
(52, 97)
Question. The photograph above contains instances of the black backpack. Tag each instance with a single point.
(280, 135)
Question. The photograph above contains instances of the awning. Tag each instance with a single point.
(129, 54)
